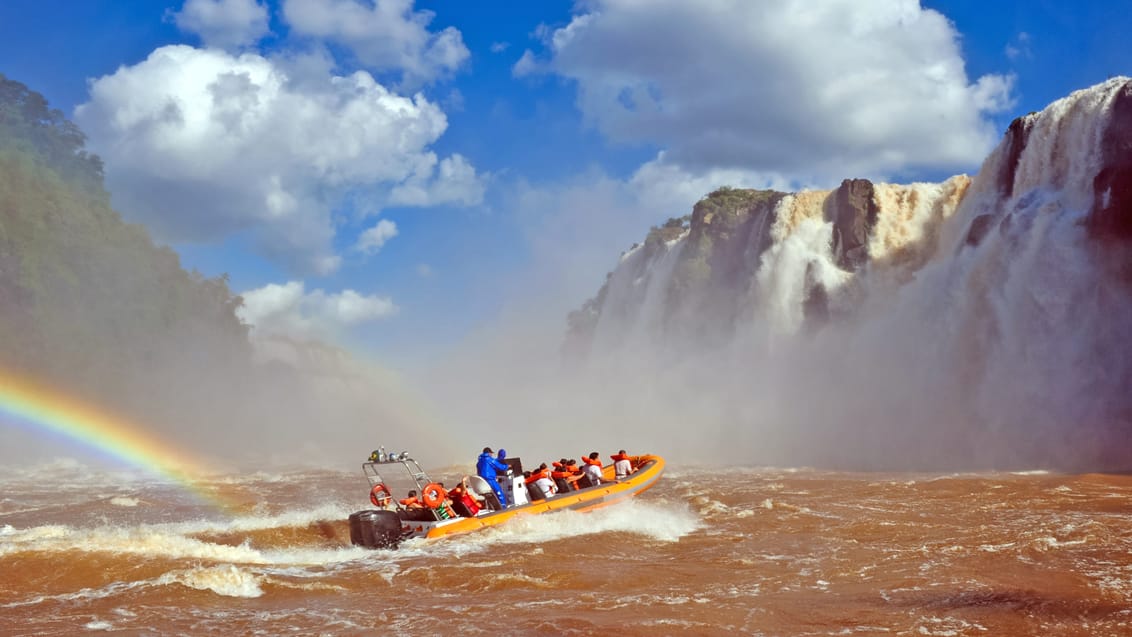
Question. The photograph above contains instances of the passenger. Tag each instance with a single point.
(561, 474)
(412, 502)
(593, 467)
(444, 501)
(533, 476)
(546, 484)
(462, 495)
(539, 478)
(622, 465)
(575, 473)
(486, 467)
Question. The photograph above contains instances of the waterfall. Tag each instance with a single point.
(970, 322)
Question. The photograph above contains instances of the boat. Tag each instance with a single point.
(390, 523)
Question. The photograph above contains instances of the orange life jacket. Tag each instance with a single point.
(632, 459)
(411, 502)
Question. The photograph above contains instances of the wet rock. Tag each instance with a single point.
(853, 211)
(1015, 140)
(979, 229)
(1111, 216)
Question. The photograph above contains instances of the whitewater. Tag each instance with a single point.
(743, 550)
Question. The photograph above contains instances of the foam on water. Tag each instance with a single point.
(176, 541)
(124, 502)
(226, 580)
(663, 522)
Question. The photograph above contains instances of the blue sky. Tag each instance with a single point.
(499, 155)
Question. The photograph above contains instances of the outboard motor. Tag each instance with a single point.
(375, 529)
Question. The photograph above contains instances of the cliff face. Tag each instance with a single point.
(697, 278)
(979, 319)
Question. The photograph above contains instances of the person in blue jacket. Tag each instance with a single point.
(486, 467)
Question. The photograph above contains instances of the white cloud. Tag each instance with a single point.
(224, 23)
(526, 65)
(819, 90)
(289, 310)
(383, 34)
(201, 144)
(453, 180)
(371, 241)
(499, 47)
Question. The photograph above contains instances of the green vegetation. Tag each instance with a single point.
(732, 203)
(86, 300)
(667, 232)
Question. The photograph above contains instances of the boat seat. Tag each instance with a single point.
(536, 492)
(584, 482)
(562, 484)
(481, 488)
(461, 509)
(417, 515)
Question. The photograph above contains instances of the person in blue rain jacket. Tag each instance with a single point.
(487, 466)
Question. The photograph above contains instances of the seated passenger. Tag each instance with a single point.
(533, 476)
(464, 501)
(593, 467)
(412, 502)
(575, 472)
(444, 502)
(561, 475)
(546, 484)
(622, 465)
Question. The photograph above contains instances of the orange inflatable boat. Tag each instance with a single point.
(435, 510)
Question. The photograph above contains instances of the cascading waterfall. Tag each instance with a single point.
(971, 322)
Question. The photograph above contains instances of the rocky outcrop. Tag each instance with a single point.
(1013, 143)
(1111, 216)
(853, 211)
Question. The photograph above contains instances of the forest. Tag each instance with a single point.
(88, 302)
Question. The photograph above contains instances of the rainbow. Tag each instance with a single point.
(23, 402)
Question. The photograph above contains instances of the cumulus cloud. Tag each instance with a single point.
(371, 240)
(383, 34)
(201, 144)
(816, 89)
(289, 310)
(224, 23)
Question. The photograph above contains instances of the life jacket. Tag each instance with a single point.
(535, 475)
(460, 495)
(410, 502)
(588, 460)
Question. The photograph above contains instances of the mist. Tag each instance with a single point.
(980, 328)
(969, 324)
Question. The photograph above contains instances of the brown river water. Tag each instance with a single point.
(750, 551)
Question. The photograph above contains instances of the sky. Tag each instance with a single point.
(395, 176)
